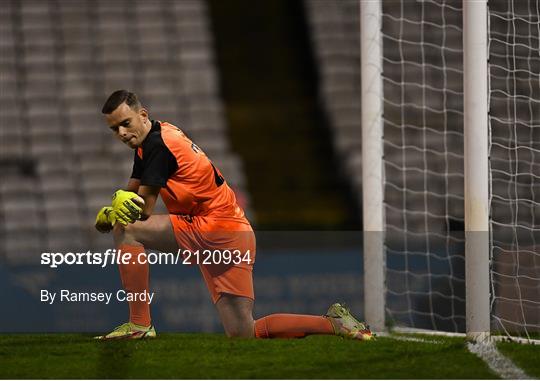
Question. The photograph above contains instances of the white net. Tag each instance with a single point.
(514, 67)
(423, 160)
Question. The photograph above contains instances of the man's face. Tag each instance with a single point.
(129, 125)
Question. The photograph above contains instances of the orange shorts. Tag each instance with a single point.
(223, 249)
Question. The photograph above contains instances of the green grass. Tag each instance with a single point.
(525, 356)
(214, 356)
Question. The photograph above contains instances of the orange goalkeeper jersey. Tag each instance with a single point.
(190, 183)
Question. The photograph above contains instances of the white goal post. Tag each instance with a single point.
(372, 165)
(475, 110)
(451, 166)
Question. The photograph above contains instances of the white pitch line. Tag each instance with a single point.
(416, 339)
(408, 338)
(500, 364)
(520, 340)
(487, 351)
(429, 332)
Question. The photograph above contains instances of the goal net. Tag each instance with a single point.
(514, 121)
(424, 164)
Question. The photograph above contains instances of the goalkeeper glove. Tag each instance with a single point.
(106, 218)
(127, 205)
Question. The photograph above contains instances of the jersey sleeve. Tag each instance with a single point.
(159, 162)
(136, 173)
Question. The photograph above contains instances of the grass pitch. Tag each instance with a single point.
(524, 356)
(214, 356)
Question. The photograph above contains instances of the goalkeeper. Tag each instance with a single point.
(203, 215)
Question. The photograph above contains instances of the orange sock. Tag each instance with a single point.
(135, 279)
(291, 326)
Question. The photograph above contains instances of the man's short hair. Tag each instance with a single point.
(119, 97)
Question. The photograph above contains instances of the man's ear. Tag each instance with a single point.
(144, 114)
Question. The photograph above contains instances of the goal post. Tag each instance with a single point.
(475, 110)
(372, 170)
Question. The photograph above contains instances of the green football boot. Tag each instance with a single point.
(345, 325)
(129, 331)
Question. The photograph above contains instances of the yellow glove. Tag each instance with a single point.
(106, 218)
(127, 205)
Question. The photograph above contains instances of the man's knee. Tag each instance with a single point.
(124, 233)
(240, 329)
(236, 315)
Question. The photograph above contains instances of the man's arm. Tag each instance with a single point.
(129, 213)
(133, 185)
(148, 177)
(150, 195)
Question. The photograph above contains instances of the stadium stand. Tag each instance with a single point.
(59, 62)
(269, 86)
(335, 33)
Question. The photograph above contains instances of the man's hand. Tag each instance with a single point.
(106, 218)
(127, 205)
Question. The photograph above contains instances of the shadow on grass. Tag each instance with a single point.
(23, 339)
(114, 359)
